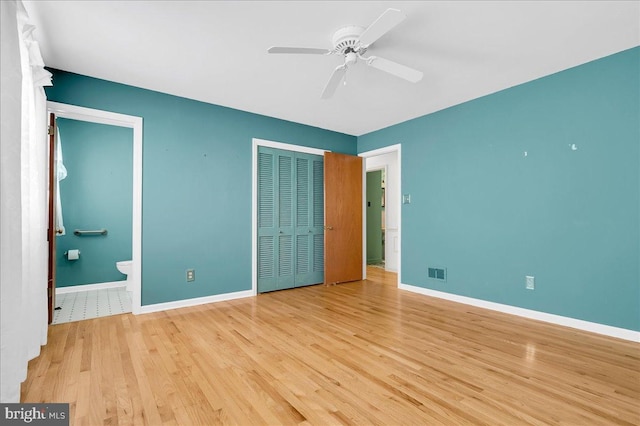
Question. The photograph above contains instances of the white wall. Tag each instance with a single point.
(392, 205)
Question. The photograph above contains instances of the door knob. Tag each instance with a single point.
(330, 228)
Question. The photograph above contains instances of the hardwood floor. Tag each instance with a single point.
(355, 353)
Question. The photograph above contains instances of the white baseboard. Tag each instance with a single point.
(607, 330)
(89, 287)
(157, 307)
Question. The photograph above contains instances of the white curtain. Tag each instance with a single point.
(23, 192)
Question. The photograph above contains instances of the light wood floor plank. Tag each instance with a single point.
(354, 353)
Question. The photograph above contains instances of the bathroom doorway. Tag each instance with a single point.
(100, 201)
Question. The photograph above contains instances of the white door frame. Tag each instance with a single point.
(135, 123)
(254, 197)
(397, 148)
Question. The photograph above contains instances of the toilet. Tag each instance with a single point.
(126, 266)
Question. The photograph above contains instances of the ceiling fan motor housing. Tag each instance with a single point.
(345, 39)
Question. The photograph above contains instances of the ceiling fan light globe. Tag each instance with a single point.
(350, 58)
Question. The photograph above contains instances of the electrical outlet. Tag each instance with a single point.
(191, 275)
(530, 283)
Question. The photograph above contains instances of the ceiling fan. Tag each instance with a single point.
(352, 42)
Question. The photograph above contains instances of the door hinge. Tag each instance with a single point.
(49, 291)
(51, 130)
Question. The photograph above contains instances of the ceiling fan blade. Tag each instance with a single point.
(303, 50)
(395, 68)
(385, 22)
(334, 81)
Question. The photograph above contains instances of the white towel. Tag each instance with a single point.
(61, 173)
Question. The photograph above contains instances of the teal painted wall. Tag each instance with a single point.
(492, 215)
(97, 193)
(196, 202)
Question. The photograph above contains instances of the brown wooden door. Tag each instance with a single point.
(51, 231)
(343, 218)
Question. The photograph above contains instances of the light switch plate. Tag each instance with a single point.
(406, 198)
(530, 282)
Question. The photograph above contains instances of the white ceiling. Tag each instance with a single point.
(216, 51)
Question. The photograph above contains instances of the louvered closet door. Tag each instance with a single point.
(267, 229)
(290, 219)
(275, 220)
(309, 219)
(285, 263)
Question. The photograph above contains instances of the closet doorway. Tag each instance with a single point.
(290, 219)
(343, 242)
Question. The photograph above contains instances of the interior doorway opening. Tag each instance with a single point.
(135, 123)
(389, 160)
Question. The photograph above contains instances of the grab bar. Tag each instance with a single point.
(81, 232)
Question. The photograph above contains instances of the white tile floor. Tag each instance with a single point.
(91, 304)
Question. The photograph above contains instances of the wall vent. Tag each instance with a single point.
(437, 273)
